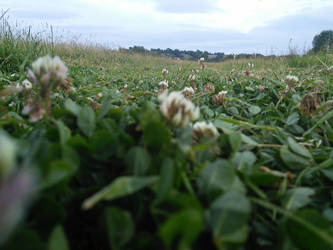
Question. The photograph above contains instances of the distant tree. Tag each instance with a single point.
(137, 49)
(323, 41)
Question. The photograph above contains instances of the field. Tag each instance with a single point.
(98, 152)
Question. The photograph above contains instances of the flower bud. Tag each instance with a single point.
(219, 98)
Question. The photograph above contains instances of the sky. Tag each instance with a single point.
(229, 26)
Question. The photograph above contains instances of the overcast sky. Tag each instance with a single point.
(230, 26)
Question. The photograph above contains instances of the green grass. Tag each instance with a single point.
(110, 171)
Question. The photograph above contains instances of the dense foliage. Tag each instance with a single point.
(323, 41)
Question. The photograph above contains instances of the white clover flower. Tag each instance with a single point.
(208, 88)
(223, 92)
(330, 69)
(204, 129)
(165, 71)
(191, 77)
(163, 84)
(47, 68)
(27, 84)
(188, 91)
(292, 79)
(178, 110)
(202, 59)
(99, 95)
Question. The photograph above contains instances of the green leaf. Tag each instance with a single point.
(166, 178)
(264, 179)
(70, 156)
(104, 144)
(177, 228)
(297, 198)
(58, 239)
(244, 161)
(72, 107)
(228, 216)
(86, 121)
(248, 140)
(235, 141)
(254, 110)
(328, 213)
(298, 149)
(156, 134)
(58, 171)
(120, 227)
(64, 132)
(120, 187)
(292, 119)
(292, 160)
(326, 117)
(310, 230)
(138, 160)
(218, 177)
(105, 108)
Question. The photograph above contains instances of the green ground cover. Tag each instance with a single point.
(95, 158)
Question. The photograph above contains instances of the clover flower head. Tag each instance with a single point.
(219, 98)
(27, 84)
(204, 130)
(46, 69)
(208, 88)
(292, 79)
(163, 84)
(191, 78)
(188, 91)
(330, 69)
(177, 109)
(165, 71)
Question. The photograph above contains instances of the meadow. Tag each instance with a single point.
(101, 149)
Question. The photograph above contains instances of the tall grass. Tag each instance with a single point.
(18, 45)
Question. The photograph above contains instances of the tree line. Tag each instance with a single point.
(188, 54)
(322, 42)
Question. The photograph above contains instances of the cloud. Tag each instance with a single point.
(42, 15)
(186, 6)
(213, 25)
